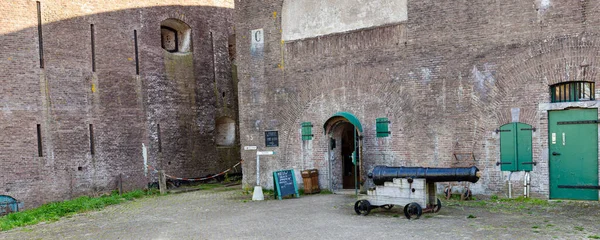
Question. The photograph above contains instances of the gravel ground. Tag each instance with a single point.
(228, 213)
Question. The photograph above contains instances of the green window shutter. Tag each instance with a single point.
(508, 152)
(524, 153)
(382, 127)
(307, 131)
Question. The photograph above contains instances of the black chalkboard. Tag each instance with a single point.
(284, 182)
(272, 139)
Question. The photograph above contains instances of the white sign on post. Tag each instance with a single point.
(265, 153)
(250, 148)
(257, 195)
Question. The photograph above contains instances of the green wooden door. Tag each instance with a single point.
(515, 147)
(573, 141)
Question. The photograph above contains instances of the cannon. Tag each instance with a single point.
(411, 187)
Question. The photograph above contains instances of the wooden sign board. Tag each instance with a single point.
(284, 182)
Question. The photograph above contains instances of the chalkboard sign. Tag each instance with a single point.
(285, 183)
(271, 139)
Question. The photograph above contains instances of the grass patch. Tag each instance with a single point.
(396, 215)
(521, 199)
(471, 216)
(594, 237)
(550, 225)
(55, 210)
(535, 227)
(209, 186)
(326, 191)
(269, 192)
(578, 228)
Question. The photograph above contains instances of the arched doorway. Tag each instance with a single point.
(345, 151)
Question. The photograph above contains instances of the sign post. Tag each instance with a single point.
(258, 195)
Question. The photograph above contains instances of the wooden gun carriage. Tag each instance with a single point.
(411, 187)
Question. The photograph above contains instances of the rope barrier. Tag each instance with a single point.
(196, 179)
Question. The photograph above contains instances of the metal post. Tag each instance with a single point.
(509, 185)
(257, 170)
(525, 185)
(527, 188)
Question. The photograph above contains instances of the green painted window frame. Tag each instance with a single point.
(307, 131)
(572, 91)
(382, 127)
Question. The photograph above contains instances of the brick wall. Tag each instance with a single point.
(446, 79)
(180, 92)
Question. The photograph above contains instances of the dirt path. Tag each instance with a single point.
(227, 213)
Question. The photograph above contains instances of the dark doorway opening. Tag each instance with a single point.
(348, 149)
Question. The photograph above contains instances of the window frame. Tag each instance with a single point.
(573, 91)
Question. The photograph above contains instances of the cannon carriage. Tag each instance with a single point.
(411, 187)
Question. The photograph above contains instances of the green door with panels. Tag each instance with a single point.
(573, 155)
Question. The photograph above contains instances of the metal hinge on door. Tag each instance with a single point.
(578, 122)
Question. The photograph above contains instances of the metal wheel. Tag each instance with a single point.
(362, 207)
(387, 206)
(466, 195)
(413, 210)
(438, 206)
(447, 192)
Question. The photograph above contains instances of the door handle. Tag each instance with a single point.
(555, 154)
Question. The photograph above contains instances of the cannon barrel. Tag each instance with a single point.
(381, 174)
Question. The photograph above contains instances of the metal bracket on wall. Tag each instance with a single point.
(498, 130)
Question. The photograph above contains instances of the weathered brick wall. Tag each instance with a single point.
(446, 79)
(180, 92)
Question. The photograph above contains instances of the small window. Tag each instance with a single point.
(175, 36)
(382, 127)
(168, 37)
(231, 47)
(307, 131)
(572, 92)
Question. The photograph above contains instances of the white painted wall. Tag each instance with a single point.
(311, 18)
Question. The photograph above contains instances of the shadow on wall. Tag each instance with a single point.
(83, 93)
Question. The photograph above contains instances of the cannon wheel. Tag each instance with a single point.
(438, 206)
(448, 192)
(362, 207)
(466, 195)
(413, 209)
(387, 206)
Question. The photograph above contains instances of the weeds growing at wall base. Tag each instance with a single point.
(55, 210)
